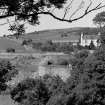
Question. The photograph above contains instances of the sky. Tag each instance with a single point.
(47, 22)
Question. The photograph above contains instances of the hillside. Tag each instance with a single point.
(7, 43)
(54, 34)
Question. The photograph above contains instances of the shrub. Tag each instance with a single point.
(63, 62)
(24, 42)
(10, 50)
(82, 54)
(27, 42)
(91, 46)
(36, 45)
(7, 71)
(30, 92)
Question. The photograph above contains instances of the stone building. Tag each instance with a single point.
(82, 39)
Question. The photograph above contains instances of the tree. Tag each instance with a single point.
(92, 87)
(27, 42)
(99, 19)
(46, 90)
(87, 87)
(58, 99)
(7, 71)
(55, 87)
(54, 84)
(18, 29)
(31, 9)
(77, 68)
(10, 50)
(91, 46)
(30, 92)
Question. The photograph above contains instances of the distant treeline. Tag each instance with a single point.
(57, 47)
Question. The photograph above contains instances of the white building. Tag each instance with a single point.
(83, 39)
(86, 39)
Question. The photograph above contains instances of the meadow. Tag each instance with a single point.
(56, 34)
(6, 43)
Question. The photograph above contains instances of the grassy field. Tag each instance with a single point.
(7, 43)
(6, 100)
(55, 34)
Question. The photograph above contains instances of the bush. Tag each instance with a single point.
(92, 46)
(24, 42)
(82, 54)
(7, 71)
(27, 42)
(49, 46)
(10, 50)
(53, 83)
(63, 62)
(30, 92)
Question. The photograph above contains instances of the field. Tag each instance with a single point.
(6, 100)
(56, 34)
(7, 43)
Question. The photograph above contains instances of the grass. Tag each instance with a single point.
(6, 100)
(7, 43)
(56, 34)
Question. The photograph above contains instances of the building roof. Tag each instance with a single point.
(91, 37)
(74, 38)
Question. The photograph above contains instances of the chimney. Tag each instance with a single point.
(81, 39)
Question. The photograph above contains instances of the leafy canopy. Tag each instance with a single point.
(18, 29)
(99, 19)
(28, 9)
(31, 9)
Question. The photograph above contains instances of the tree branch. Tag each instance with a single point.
(88, 6)
(55, 17)
(67, 8)
(71, 20)
(79, 7)
(87, 11)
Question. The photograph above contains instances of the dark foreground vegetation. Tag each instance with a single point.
(85, 86)
(7, 72)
